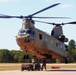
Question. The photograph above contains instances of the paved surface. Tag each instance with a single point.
(61, 71)
(48, 72)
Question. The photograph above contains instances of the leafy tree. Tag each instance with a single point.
(71, 45)
(71, 51)
(13, 56)
(5, 55)
(17, 55)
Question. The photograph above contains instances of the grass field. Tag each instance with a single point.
(10, 66)
(17, 66)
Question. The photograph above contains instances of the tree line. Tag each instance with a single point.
(71, 52)
(17, 56)
(13, 56)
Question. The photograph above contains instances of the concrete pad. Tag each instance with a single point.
(48, 72)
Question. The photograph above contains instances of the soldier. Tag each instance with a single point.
(44, 63)
(33, 62)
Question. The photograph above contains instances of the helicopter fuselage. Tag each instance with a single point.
(39, 43)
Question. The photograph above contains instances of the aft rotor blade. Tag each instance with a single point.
(44, 9)
(56, 24)
(44, 22)
(51, 17)
(74, 22)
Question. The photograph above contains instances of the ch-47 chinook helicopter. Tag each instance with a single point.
(39, 43)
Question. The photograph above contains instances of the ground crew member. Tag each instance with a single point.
(44, 64)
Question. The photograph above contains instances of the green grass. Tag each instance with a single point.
(3, 68)
(10, 66)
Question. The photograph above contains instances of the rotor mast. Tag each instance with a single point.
(27, 23)
(27, 20)
(57, 31)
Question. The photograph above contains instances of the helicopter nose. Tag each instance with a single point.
(27, 39)
(22, 37)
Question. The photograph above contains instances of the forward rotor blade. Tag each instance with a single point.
(44, 9)
(8, 17)
(20, 17)
(3, 15)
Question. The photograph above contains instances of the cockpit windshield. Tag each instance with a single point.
(23, 32)
(29, 31)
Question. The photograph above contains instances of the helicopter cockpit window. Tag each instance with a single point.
(29, 31)
(21, 32)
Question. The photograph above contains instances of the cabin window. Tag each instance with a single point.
(56, 44)
(46, 39)
(51, 42)
(40, 36)
(61, 46)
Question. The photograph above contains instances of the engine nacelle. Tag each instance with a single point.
(62, 38)
(66, 40)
